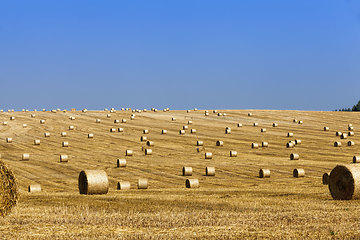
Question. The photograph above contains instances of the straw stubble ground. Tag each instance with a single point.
(233, 204)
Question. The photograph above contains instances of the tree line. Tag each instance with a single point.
(355, 108)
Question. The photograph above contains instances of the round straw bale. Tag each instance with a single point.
(123, 185)
(298, 172)
(143, 183)
(25, 156)
(42, 121)
(65, 144)
(9, 140)
(47, 134)
(192, 183)
(206, 114)
(351, 143)
(214, 111)
(233, 153)
(210, 171)
(120, 129)
(350, 125)
(143, 138)
(84, 110)
(264, 144)
(112, 129)
(224, 114)
(356, 159)
(182, 132)
(295, 120)
(150, 143)
(12, 118)
(338, 133)
(63, 134)
(264, 173)
(193, 130)
(351, 133)
(326, 129)
(121, 162)
(37, 142)
(208, 155)
(64, 158)
(290, 134)
(254, 145)
(148, 151)
(5, 123)
(164, 131)
(219, 114)
(219, 143)
(249, 114)
(239, 125)
(294, 156)
(24, 125)
(344, 182)
(325, 178)
(190, 122)
(255, 124)
(290, 145)
(185, 127)
(72, 118)
(32, 115)
(98, 121)
(173, 119)
(297, 141)
(187, 171)
(93, 182)
(123, 120)
(8, 190)
(90, 135)
(116, 121)
(145, 131)
(350, 128)
(337, 144)
(228, 131)
(274, 124)
(132, 117)
(34, 188)
(263, 130)
(344, 136)
(128, 152)
(108, 115)
(188, 110)
(300, 122)
(199, 143)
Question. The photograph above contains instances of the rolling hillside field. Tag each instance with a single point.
(233, 204)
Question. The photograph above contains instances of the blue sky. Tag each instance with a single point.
(260, 54)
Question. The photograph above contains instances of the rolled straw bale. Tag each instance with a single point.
(43, 109)
(64, 158)
(90, 135)
(214, 111)
(297, 141)
(108, 115)
(350, 125)
(25, 156)
(344, 136)
(112, 129)
(188, 110)
(298, 172)
(195, 109)
(128, 152)
(351, 128)
(37, 142)
(351, 133)
(290, 134)
(72, 118)
(8, 190)
(193, 130)
(98, 120)
(290, 145)
(263, 130)
(93, 182)
(47, 134)
(187, 171)
(123, 185)
(224, 114)
(219, 143)
(274, 124)
(337, 144)
(264, 173)
(9, 140)
(233, 153)
(344, 182)
(143, 138)
(206, 114)
(228, 131)
(249, 114)
(65, 144)
(132, 117)
(173, 119)
(294, 156)
(5, 123)
(155, 110)
(143, 183)
(121, 162)
(356, 159)
(219, 114)
(34, 188)
(24, 125)
(116, 121)
(199, 143)
(145, 131)
(192, 183)
(12, 118)
(42, 121)
(295, 120)
(255, 124)
(325, 178)
(301, 122)
(148, 151)
(350, 143)
(164, 110)
(120, 129)
(164, 131)
(150, 143)
(338, 133)
(84, 110)
(185, 127)
(182, 132)
(239, 125)
(123, 120)
(264, 144)
(190, 122)
(326, 129)
(254, 145)
(208, 155)
(210, 171)
(63, 134)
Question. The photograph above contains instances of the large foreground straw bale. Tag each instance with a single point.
(8, 190)
(344, 182)
(93, 182)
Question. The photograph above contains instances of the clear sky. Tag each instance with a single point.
(258, 54)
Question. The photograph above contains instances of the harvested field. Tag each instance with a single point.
(233, 204)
